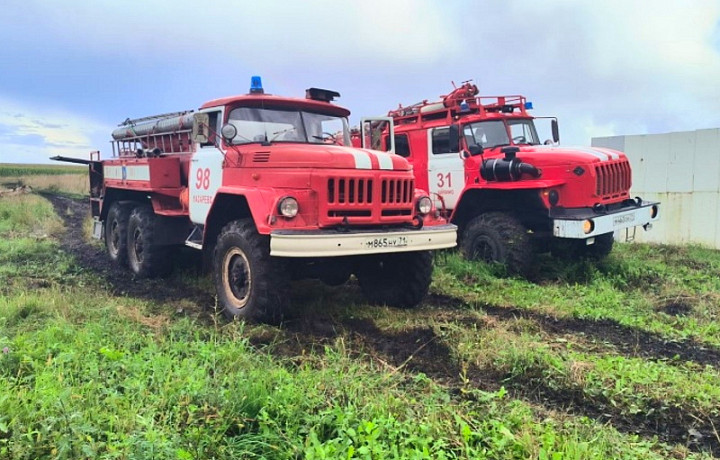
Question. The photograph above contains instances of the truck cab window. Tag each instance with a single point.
(278, 125)
(402, 145)
(214, 134)
(441, 141)
(487, 134)
(523, 132)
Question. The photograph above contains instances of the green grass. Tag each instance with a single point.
(19, 170)
(88, 374)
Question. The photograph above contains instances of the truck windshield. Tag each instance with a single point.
(487, 134)
(275, 125)
(523, 132)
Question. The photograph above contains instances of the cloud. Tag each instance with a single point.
(611, 67)
(315, 32)
(33, 134)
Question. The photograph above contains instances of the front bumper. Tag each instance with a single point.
(572, 223)
(331, 243)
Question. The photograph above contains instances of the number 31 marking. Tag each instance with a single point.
(443, 179)
(203, 178)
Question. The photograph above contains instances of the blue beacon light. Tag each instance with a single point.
(528, 106)
(256, 85)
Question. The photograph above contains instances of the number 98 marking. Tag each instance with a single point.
(203, 179)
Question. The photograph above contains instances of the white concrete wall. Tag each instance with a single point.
(682, 171)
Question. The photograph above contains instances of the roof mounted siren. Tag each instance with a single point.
(256, 85)
(324, 95)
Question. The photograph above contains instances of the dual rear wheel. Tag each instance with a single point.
(131, 240)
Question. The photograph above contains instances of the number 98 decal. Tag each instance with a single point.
(203, 179)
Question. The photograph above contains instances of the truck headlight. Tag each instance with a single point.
(288, 207)
(588, 226)
(424, 205)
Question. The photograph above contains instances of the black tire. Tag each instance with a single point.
(147, 258)
(571, 249)
(500, 238)
(116, 225)
(398, 280)
(249, 283)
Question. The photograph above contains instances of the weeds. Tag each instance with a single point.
(476, 372)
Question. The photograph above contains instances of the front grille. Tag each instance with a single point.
(368, 199)
(350, 191)
(396, 191)
(613, 180)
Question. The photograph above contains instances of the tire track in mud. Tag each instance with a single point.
(120, 281)
(422, 350)
(626, 340)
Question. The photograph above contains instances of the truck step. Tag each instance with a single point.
(195, 238)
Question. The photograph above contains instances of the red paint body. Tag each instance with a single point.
(325, 179)
(583, 179)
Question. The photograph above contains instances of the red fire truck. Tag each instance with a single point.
(510, 194)
(267, 188)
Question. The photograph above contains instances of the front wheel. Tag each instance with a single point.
(497, 237)
(398, 280)
(249, 283)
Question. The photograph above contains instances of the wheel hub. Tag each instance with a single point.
(485, 249)
(114, 237)
(237, 276)
(138, 245)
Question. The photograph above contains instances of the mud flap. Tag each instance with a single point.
(97, 232)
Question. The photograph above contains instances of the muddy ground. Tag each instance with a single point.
(422, 350)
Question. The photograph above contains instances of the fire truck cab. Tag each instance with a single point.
(510, 193)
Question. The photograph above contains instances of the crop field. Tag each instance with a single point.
(613, 360)
(60, 178)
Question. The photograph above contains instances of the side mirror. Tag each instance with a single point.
(555, 130)
(200, 128)
(454, 138)
(475, 149)
(228, 132)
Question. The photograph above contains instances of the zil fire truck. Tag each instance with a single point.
(263, 186)
(510, 194)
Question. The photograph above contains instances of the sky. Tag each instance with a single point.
(71, 71)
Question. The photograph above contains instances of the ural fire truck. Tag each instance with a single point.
(265, 188)
(509, 193)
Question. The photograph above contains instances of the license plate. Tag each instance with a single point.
(386, 242)
(620, 221)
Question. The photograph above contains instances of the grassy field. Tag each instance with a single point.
(59, 178)
(616, 360)
(22, 170)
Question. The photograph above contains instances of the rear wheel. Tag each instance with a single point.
(147, 258)
(249, 283)
(116, 225)
(398, 280)
(500, 238)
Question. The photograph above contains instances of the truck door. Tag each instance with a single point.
(374, 130)
(446, 173)
(206, 169)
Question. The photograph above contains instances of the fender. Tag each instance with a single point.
(510, 197)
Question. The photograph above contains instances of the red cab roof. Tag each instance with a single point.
(277, 102)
